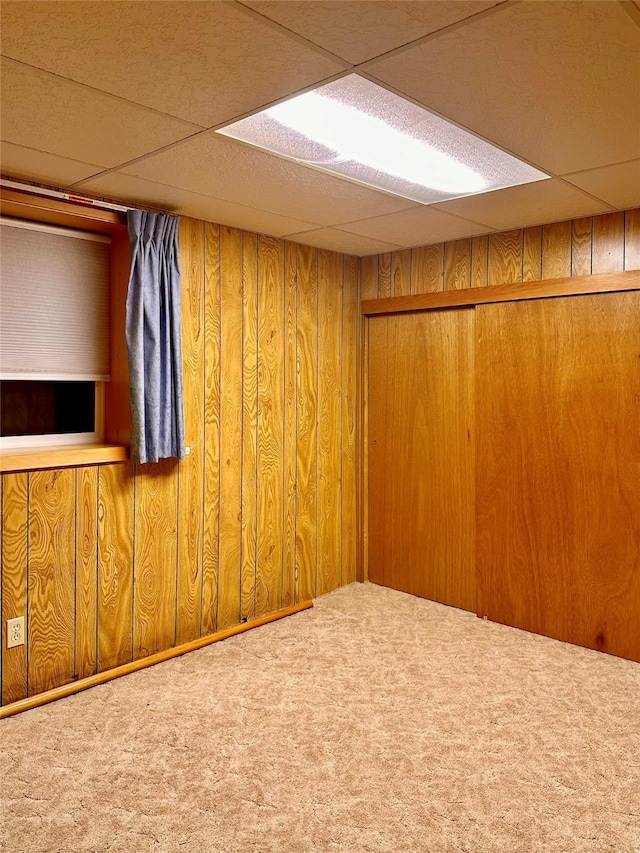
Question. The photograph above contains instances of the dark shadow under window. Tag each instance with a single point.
(46, 407)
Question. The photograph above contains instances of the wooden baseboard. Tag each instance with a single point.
(143, 663)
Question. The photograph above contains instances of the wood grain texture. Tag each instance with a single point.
(556, 250)
(306, 456)
(249, 424)
(155, 566)
(505, 257)
(115, 565)
(385, 282)
(369, 277)
(191, 470)
(52, 499)
(581, 246)
(230, 427)
(401, 272)
(15, 549)
(427, 269)
(421, 500)
(211, 508)
(270, 424)
(34, 458)
(86, 625)
(632, 239)
(329, 419)
(290, 420)
(480, 261)
(558, 471)
(457, 265)
(608, 243)
(348, 510)
(532, 254)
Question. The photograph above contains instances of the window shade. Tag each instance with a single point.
(54, 303)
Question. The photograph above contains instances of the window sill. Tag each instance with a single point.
(32, 458)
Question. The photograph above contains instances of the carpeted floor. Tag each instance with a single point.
(375, 722)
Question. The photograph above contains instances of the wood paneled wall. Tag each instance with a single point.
(115, 562)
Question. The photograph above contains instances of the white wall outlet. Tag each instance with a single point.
(187, 451)
(15, 632)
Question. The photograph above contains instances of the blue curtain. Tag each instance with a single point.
(154, 338)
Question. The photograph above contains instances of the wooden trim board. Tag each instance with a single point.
(34, 458)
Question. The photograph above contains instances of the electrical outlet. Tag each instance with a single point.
(15, 632)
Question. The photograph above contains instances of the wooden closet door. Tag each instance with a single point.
(421, 460)
(558, 468)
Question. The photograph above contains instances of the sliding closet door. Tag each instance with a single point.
(420, 445)
(558, 468)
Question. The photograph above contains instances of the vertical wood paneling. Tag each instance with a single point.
(115, 565)
(211, 508)
(329, 423)
(505, 257)
(190, 471)
(632, 239)
(479, 261)
(532, 254)
(230, 427)
(249, 423)
(581, 246)
(349, 419)
(154, 600)
(556, 250)
(306, 457)
(290, 420)
(369, 277)
(457, 265)
(401, 272)
(608, 243)
(86, 570)
(270, 424)
(385, 284)
(427, 269)
(52, 499)
(14, 582)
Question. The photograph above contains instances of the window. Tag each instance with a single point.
(54, 334)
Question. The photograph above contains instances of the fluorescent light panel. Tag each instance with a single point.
(363, 132)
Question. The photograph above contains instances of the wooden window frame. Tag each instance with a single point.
(115, 447)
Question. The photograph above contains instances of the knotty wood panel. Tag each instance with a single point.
(421, 499)
(270, 424)
(290, 420)
(632, 239)
(556, 250)
(14, 581)
(479, 261)
(230, 427)
(385, 283)
(401, 272)
(249, 423)
(190, 471)
(558, 474)
(211, 509)
(329, 419)
(349, 419)
(115, 565)
(505, 257)
(581, 246)
(457, 265)
(608, 243)
(154, 599)
(369, 277)
(532, 254)
(427, 270)
(306, 455)
(50, 632)
(86, 570)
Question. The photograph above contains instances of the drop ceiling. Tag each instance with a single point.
(121, 100)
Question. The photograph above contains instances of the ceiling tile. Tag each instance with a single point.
(618, 185)
(357, 31)
(226, 169)
(416, 227)
(137, 191)
(340, 241)
(529, 204)
(202, 62)
(20, 162)
(48, 113)
(553, 83)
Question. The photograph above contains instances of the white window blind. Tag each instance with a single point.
(54, 302)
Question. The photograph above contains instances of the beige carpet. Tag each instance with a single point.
(375, 722)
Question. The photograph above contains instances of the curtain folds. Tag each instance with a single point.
(153, 332)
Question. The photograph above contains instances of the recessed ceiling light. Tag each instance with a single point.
(363, 132)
